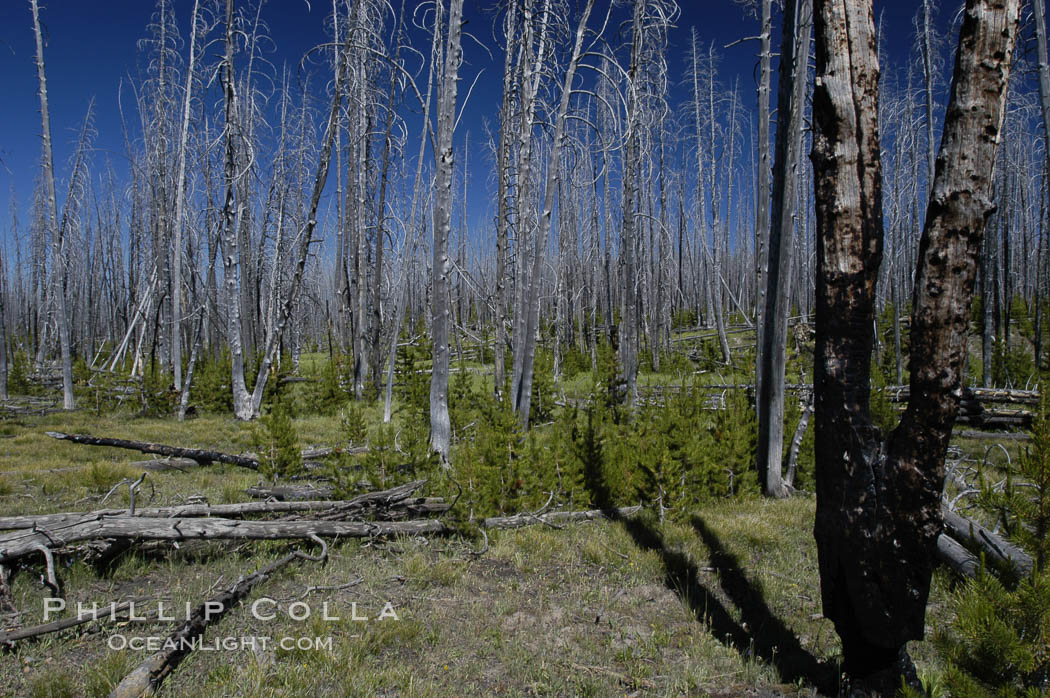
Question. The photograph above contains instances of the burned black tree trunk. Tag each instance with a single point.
(878, 500)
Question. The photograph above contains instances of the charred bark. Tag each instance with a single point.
(878, 501)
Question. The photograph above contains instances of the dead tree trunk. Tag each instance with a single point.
(794, 78)
(147, 676)
(763, 191)
(58, 247)
(522, 391)
(440, 425)
(180, 209)
(232, 211)
(878, 502)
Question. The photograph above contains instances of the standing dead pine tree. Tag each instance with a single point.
(58, 246)
(878, 501)
(440, 424)
(772, 349)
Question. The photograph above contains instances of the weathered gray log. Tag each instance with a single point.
(17, 545)
(197, 455)
(202, 456)
(290, 493)
(159, 465)
(396, 511)
(558, 517)
(953, 554)
(325, 509)
(993, 435)
(359, 504)
(147, 676)
(9, 637)
(998, 551)
(900, 393)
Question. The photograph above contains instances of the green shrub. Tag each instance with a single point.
(1023, 504)
(412, 381)
(1020, 317)
(277, 443)
(735, 438)
(212, 384)
(159, 392)
(491, 465)
(329, 390)
(18, 374)
(999, 639)
(355, 431)
(574, 362)
(684, 318)
(1011, 367)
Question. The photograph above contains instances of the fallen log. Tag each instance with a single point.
(18, 545)
(998, 551)
(406, 508)
(200, 455)
(147, 676)
(558, 517)
(283, 493)
(9, 637)
(900, 393)
(197, 455)
(993, 435)
(357, 505)
(992, 419)
(324, 510)
(159, 465)
(953, 554)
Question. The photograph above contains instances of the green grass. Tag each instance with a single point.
(724, 601)
(589, 609)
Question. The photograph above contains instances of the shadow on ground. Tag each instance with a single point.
(760, 633)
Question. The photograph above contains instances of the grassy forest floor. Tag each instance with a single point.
(725, 603)
(722, 598)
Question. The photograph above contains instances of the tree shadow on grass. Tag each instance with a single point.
(760, 633)
(768, 636)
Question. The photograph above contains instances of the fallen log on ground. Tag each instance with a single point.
(997, 551)
(361, 503)
(147, 676)
(993, 435)
(200, 455)
(283, 493)
(900, 393)
(558, 517)
(21, 544)
(197, 455)
(321, 510)
(953, 554)
(9, 637)
(998, 419)
(159, 465)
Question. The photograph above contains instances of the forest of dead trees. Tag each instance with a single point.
(325, 207)
(273, 210)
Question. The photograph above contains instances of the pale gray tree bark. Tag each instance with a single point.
(772, 352)
(522, 391)
(58, 247)
(232, 213)
(763, 192)
(180, 207)
(444, 162)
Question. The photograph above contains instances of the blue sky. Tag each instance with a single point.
(92, 46)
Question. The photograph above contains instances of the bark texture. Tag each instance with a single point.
(878, 502)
